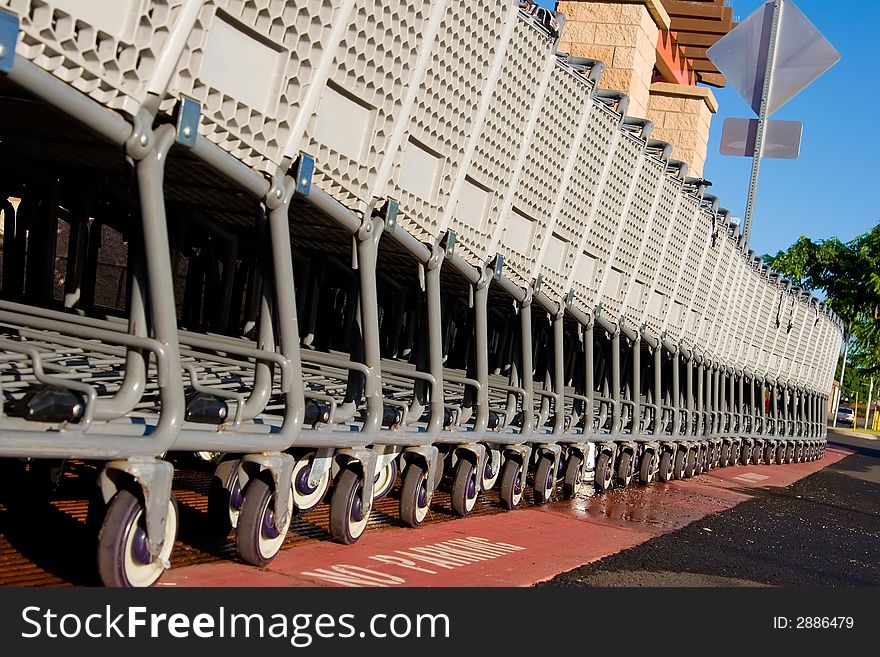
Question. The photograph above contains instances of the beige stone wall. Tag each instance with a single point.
(682, 116)
(621, 34)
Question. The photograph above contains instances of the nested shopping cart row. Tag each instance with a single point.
(365, 247)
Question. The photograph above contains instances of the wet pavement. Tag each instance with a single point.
(47, 543)
(823, 530)
(518, 548)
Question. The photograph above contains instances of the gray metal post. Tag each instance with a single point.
(774, 408)
(635, 388)
(435, 343)
(558, 371)
(658, 390)
(589, 393)
(528, 406)
(278, 202)
(717, 397)
(367, 246)
(481, 353)
(739, 408)
(762, 118)
(150, 176)
(615, 383)
(699, 426)
(817, 415)
(786, 400)
(711, 399)
(676, 394)
(762, 407)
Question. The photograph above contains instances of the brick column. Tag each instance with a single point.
(682, 115)
(622, 34)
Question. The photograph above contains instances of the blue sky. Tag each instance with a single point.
(829, 190)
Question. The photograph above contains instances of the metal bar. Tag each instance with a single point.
(278, 201)
(107, 123)
(367, 246)
(615, 384)
(528, 385)
(558, 372)
(636, 387)
(762, 117)
(658, 390)
(589, 391)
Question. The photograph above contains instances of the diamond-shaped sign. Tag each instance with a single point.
(802, 55)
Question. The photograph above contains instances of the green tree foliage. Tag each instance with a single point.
(848, 275)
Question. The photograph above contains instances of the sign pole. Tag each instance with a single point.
(762, 117)
(842, 372)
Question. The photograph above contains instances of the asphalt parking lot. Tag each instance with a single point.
(822, 530)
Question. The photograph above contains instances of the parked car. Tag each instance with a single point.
(846, 416)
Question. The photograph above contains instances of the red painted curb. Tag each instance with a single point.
(508, 549)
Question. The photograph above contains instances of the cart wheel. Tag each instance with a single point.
(681, 458)
(691, 467)
(464, 487)
(768, 454)
(490, 475)
(646, 468)
(604, 475)
(725, 455)
(666, 471)
(756, 455)
(123, 556)
(780, 454)
(224, 501)
(700, 459)
(789, 453)
(574, 475)
(625, 469)
(545, 480)
(384, 480)
(305, 496)
(511, 484)
(414, 495)
(709, 464)
(347, 519)
(691, 459)
(258, 536)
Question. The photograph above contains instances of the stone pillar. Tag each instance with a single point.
(682, 115)
(623, 35)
